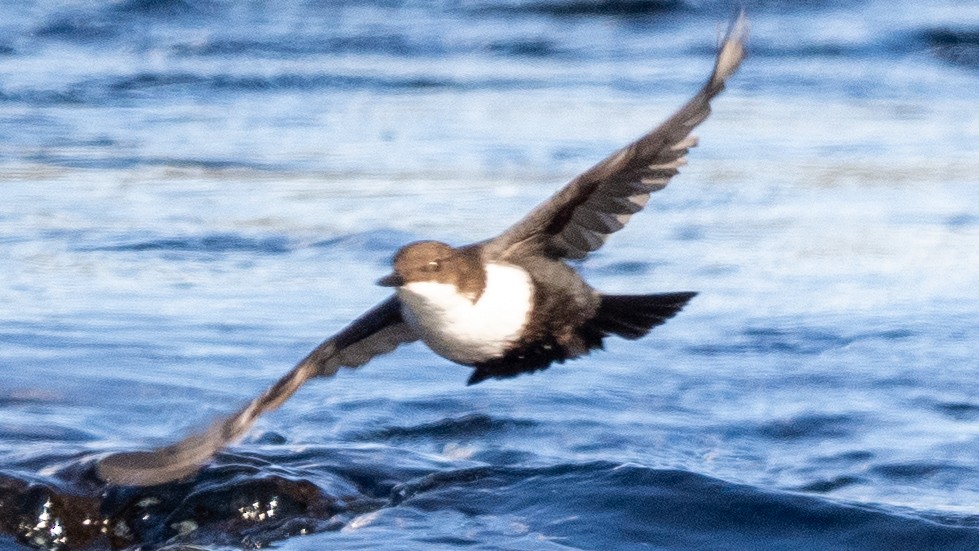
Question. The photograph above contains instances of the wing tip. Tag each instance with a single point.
(731, 52)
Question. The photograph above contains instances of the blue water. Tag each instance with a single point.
(194, 194)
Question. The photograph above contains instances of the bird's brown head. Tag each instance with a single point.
(435, 261)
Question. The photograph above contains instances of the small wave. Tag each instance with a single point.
(955, 46)
(40, 98)
(962, 220)
(40, 433)
(960, 411)
(385, 241)
(460, 427)
(813, 50)
(914, 471)
(809, 426)
(382, 241)
(789, 340)
(585, 8)
(826, 486)
(21, 397)
(797, 340)
(105, 156)
(624, 267)
(649, 508)
(164, 8)
(124, 88)
(117, 20)
(540, 48)
(289, 47)
(212, 243)
(246, 501)
(801, 340)
(78, 27)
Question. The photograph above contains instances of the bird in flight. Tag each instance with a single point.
(504, 306)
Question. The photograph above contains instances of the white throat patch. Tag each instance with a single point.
(465, 332)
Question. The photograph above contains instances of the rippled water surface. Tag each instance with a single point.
(194, 194)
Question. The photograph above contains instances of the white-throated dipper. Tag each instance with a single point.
(504, 306)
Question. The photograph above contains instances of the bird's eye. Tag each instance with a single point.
(432, 266)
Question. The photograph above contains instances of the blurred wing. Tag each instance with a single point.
(581, 216)
(378, 331)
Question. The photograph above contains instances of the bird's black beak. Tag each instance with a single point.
(391, 280)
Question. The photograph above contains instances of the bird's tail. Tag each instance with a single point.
(633, 316)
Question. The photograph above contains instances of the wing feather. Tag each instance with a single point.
(580, 217)
(378, 331)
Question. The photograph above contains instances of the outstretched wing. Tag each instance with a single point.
(581, 216)
(378, 331)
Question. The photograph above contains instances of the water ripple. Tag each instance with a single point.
(248, 501)
(461, 427)
(213, 243)
(955, 46)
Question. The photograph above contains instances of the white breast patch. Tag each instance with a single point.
(465, 332)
